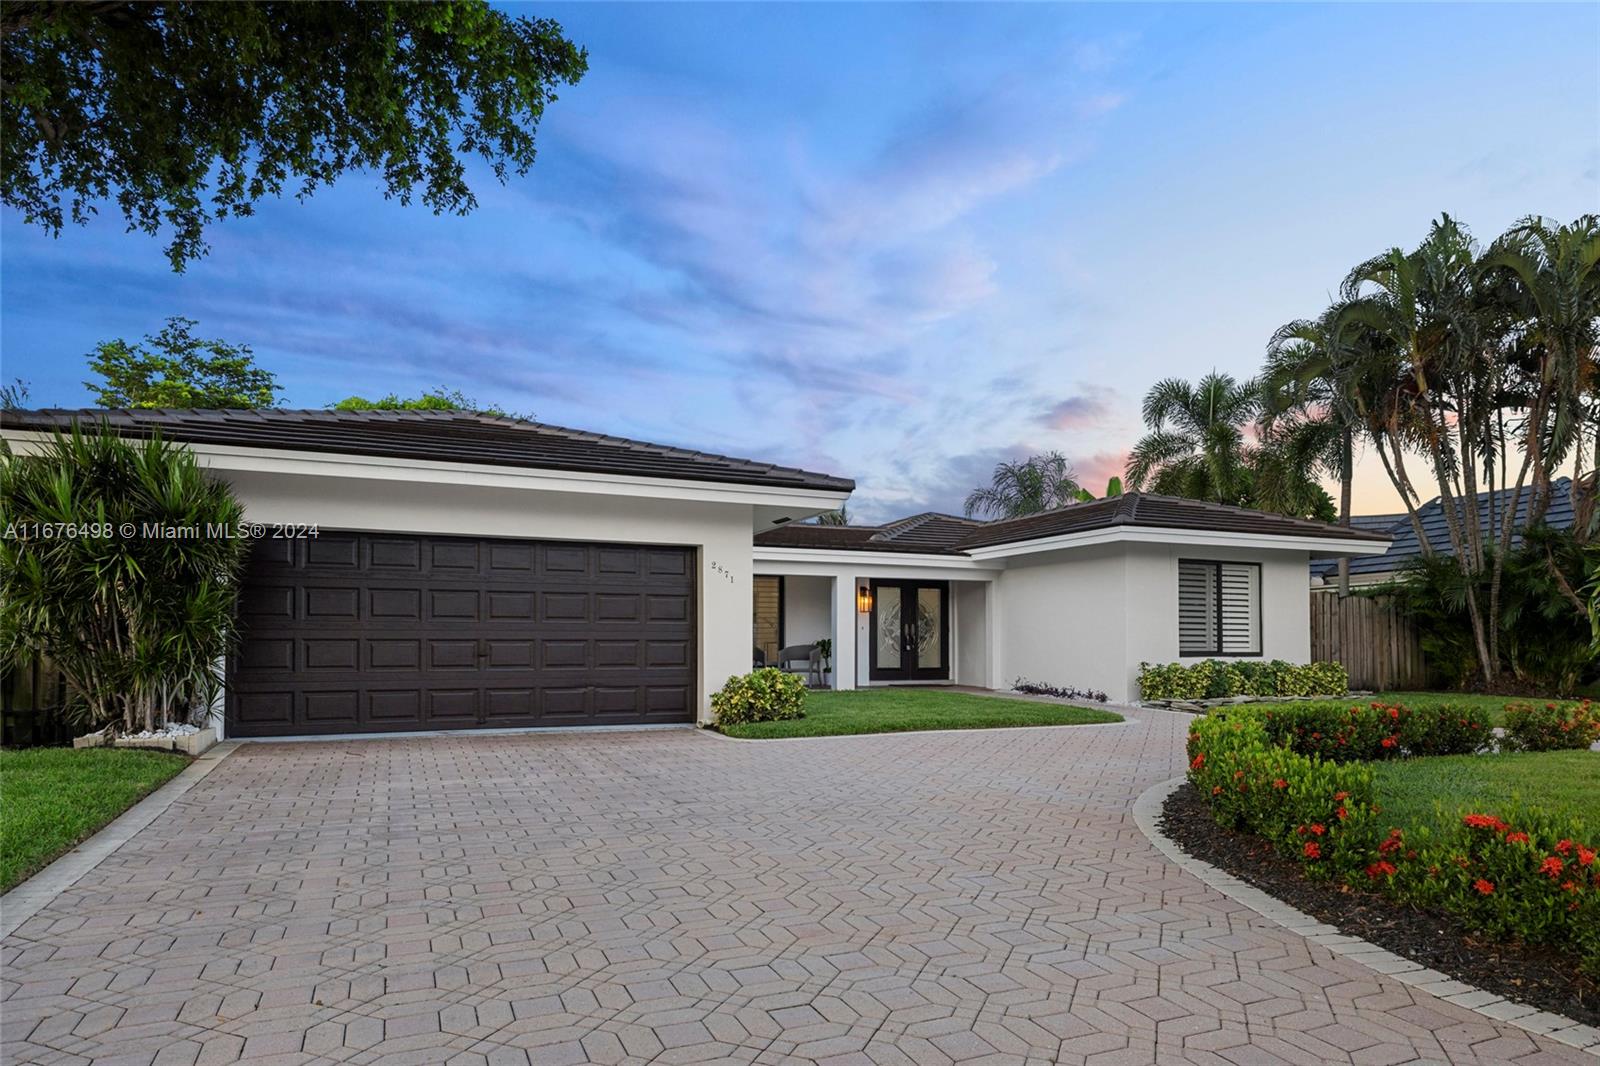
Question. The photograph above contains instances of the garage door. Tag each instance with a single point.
(371, 633)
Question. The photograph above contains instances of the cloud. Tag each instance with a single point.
(1079, 411)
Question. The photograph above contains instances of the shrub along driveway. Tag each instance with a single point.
(674, 897)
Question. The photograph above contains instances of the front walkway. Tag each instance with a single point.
(678, 897)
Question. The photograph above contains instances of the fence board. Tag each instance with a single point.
(1376, 644)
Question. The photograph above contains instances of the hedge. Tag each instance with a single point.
(1344, 732)
(1516, 873)
(1551, 726)
(1211, 679)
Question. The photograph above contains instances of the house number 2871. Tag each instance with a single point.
(722, 572)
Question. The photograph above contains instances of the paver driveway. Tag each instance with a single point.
(676, 897)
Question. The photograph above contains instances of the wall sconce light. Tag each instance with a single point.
(864, 599)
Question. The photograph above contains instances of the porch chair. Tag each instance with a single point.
(809, 658)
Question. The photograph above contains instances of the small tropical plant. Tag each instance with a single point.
(825, 649)
(120, 562)
(765, 695)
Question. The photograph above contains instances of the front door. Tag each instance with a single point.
(910, 631)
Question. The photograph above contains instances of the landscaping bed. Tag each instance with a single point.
(890, 710)
(51, 799)
(1543, 977)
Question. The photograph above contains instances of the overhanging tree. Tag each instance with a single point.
(186, 113)
(174, 368)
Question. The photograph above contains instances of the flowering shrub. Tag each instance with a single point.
(1214, 679)
(1551, 726)
(1346, 731)
(1306, 805)
(765, 695)
(1516, 874)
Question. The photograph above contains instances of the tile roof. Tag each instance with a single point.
(445, 436)
(927, 533)
(949, 535)
(1406, 546)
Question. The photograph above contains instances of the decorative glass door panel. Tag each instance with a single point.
(910, 631)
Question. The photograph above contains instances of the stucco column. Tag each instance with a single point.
(844, 632)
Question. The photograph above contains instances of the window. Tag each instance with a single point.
(1219, 608)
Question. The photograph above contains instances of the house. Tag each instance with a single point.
(446, 570)
(1405, 547)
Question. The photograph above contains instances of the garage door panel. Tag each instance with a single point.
(383, 632)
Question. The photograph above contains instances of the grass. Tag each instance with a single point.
(1439, 790)
(53, 798)
(891, 710)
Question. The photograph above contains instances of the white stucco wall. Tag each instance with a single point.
(720, 532)
(1087, 617)
(807, 609)
(969, 620)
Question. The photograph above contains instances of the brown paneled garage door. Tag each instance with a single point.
(377, 632)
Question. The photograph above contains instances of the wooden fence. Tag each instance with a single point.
(1374, 641)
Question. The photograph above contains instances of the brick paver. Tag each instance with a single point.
(977, 897)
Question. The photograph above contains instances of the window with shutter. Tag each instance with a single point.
(1219, 608)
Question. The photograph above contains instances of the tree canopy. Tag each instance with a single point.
(440, 399)
(174, 368)
(186, 113)
(1039, 483)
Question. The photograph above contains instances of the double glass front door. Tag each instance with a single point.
(910, 631)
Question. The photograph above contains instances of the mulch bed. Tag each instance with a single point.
(1536, 976)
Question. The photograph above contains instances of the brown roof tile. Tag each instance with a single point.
(445, 436)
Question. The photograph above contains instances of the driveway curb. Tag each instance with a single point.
(1147, 814)
(38, 891)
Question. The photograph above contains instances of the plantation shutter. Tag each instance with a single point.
(1219, 608)
(1197, 608)
(1241, 596)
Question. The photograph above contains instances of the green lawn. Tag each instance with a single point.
(891, 710)
(1442, 788)
(52, 798)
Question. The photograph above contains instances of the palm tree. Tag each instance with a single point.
(1196, 444)
(1041, 483)
(841, 517)
(1307, 402)
(1554, 271)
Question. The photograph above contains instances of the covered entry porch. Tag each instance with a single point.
(883, 623)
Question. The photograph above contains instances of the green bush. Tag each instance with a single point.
(765, 695)
(1347, 732)
(1551, 726)
(1520, 874)
(1211, 679)
(1309, 807)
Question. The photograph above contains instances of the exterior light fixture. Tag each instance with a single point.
(864, 599)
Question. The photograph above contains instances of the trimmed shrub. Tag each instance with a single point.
(765, 695)
(1550, 726)
(1346, 732)
(1211, 679)
(1517, 874)
(1307, 806)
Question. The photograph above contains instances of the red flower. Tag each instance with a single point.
(1568, 886)
(1382, 868)
(1388, 742)
(1485, 821)
(1199, 761)
(1238, 774)
(1317, 828)
(1552, 867)
(1342, 813)
(1585, 855)
(1313, 850)
(1484, 887)
(1280, 783)
(1216, 790)
(1340, 797)
(1394, 713)
(1564, 846)
(1516, 838)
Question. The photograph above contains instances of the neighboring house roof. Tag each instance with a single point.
(442, 436)
(927, 533)
(948, 535)
(1406, 547)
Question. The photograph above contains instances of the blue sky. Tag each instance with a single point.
(893, 242)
